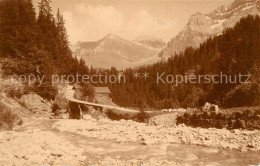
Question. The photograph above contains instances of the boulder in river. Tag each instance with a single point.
(210, 108)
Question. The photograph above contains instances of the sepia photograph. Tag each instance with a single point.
(129, 82)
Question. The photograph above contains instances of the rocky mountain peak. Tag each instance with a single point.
(242, 2)
(201, 26)
(112, 37)
(198, 22)
(220, 9)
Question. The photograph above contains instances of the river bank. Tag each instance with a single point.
(130, 131)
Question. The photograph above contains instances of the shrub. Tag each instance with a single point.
(55, 107)
(7, 118)
(88, 91)
(117, 116)
(240, 124)
(47, 92)
(142, 116)
(15, 93)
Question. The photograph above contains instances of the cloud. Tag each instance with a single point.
(89, 23)
(144, 23)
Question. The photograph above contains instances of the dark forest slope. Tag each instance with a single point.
(236, 51)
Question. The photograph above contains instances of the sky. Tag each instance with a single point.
(91, 20)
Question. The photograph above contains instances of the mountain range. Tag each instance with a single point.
(202, 26)
(144, 50)
(118, 52)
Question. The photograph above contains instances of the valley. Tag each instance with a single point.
(115, 97)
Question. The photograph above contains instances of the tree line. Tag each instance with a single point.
(36, 44)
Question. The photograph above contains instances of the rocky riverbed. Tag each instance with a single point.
(37, 144)
(40, 143)
(37, 147)
(129, 132)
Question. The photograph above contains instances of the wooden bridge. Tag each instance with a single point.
(70, 97)
(103, 106)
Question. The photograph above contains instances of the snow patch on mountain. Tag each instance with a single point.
(218, 24)
(150, 42)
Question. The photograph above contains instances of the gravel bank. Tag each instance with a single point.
(129, 131)
(109, 161)
(35, 147)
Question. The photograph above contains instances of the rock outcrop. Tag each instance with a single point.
(35, 103)
(61, 106)
(12, 114)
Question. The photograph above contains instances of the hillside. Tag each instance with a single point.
(35, 44)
